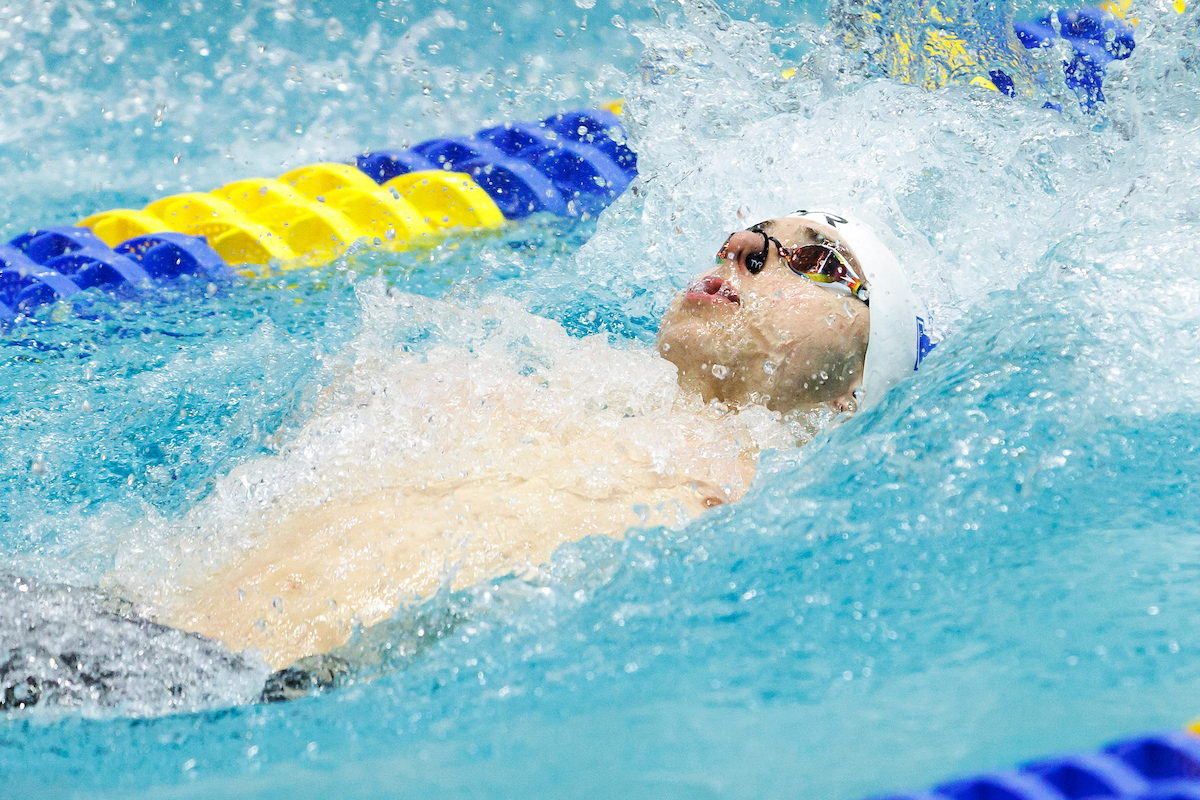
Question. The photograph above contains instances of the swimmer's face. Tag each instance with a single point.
(771, 336)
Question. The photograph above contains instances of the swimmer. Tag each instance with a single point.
(804, 315)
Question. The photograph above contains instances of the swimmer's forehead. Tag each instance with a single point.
(796, 231)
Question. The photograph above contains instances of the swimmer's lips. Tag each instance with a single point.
(712, 289)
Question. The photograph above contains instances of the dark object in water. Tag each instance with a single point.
(81, 649)
(310, 675)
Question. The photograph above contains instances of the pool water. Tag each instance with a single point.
(999, 561)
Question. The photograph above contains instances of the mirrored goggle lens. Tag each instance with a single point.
(819, 263)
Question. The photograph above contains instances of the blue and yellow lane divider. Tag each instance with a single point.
(571, 164)
(936, 43)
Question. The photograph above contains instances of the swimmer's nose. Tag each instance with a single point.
(745, 249)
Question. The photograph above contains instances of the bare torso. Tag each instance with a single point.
(466, 462)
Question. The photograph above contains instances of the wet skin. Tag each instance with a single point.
(345, 546)
(775, 337)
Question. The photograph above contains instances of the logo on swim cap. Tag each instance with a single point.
(924, 344)
(830, 218)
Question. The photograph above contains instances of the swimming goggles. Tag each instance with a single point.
(818, 262)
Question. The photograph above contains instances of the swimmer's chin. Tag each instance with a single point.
(733, 393)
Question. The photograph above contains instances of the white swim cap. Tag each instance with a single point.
(898, 340)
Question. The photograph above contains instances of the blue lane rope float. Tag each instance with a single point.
(1098, 36)
(169, 255)
(1158, 766)
(568, 164)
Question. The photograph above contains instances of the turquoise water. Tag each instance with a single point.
(998, 562)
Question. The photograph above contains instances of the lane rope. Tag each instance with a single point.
(573, 164)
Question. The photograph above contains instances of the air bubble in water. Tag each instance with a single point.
(585, 4)
(769, 367)
(719, 371)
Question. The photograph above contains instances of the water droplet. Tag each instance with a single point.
(390, 234)
(262, 191)
(824, 375)
(585, 4)
(618, 21)
(38, 467)
(769, 367)
(86, 405)
(719, 371)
